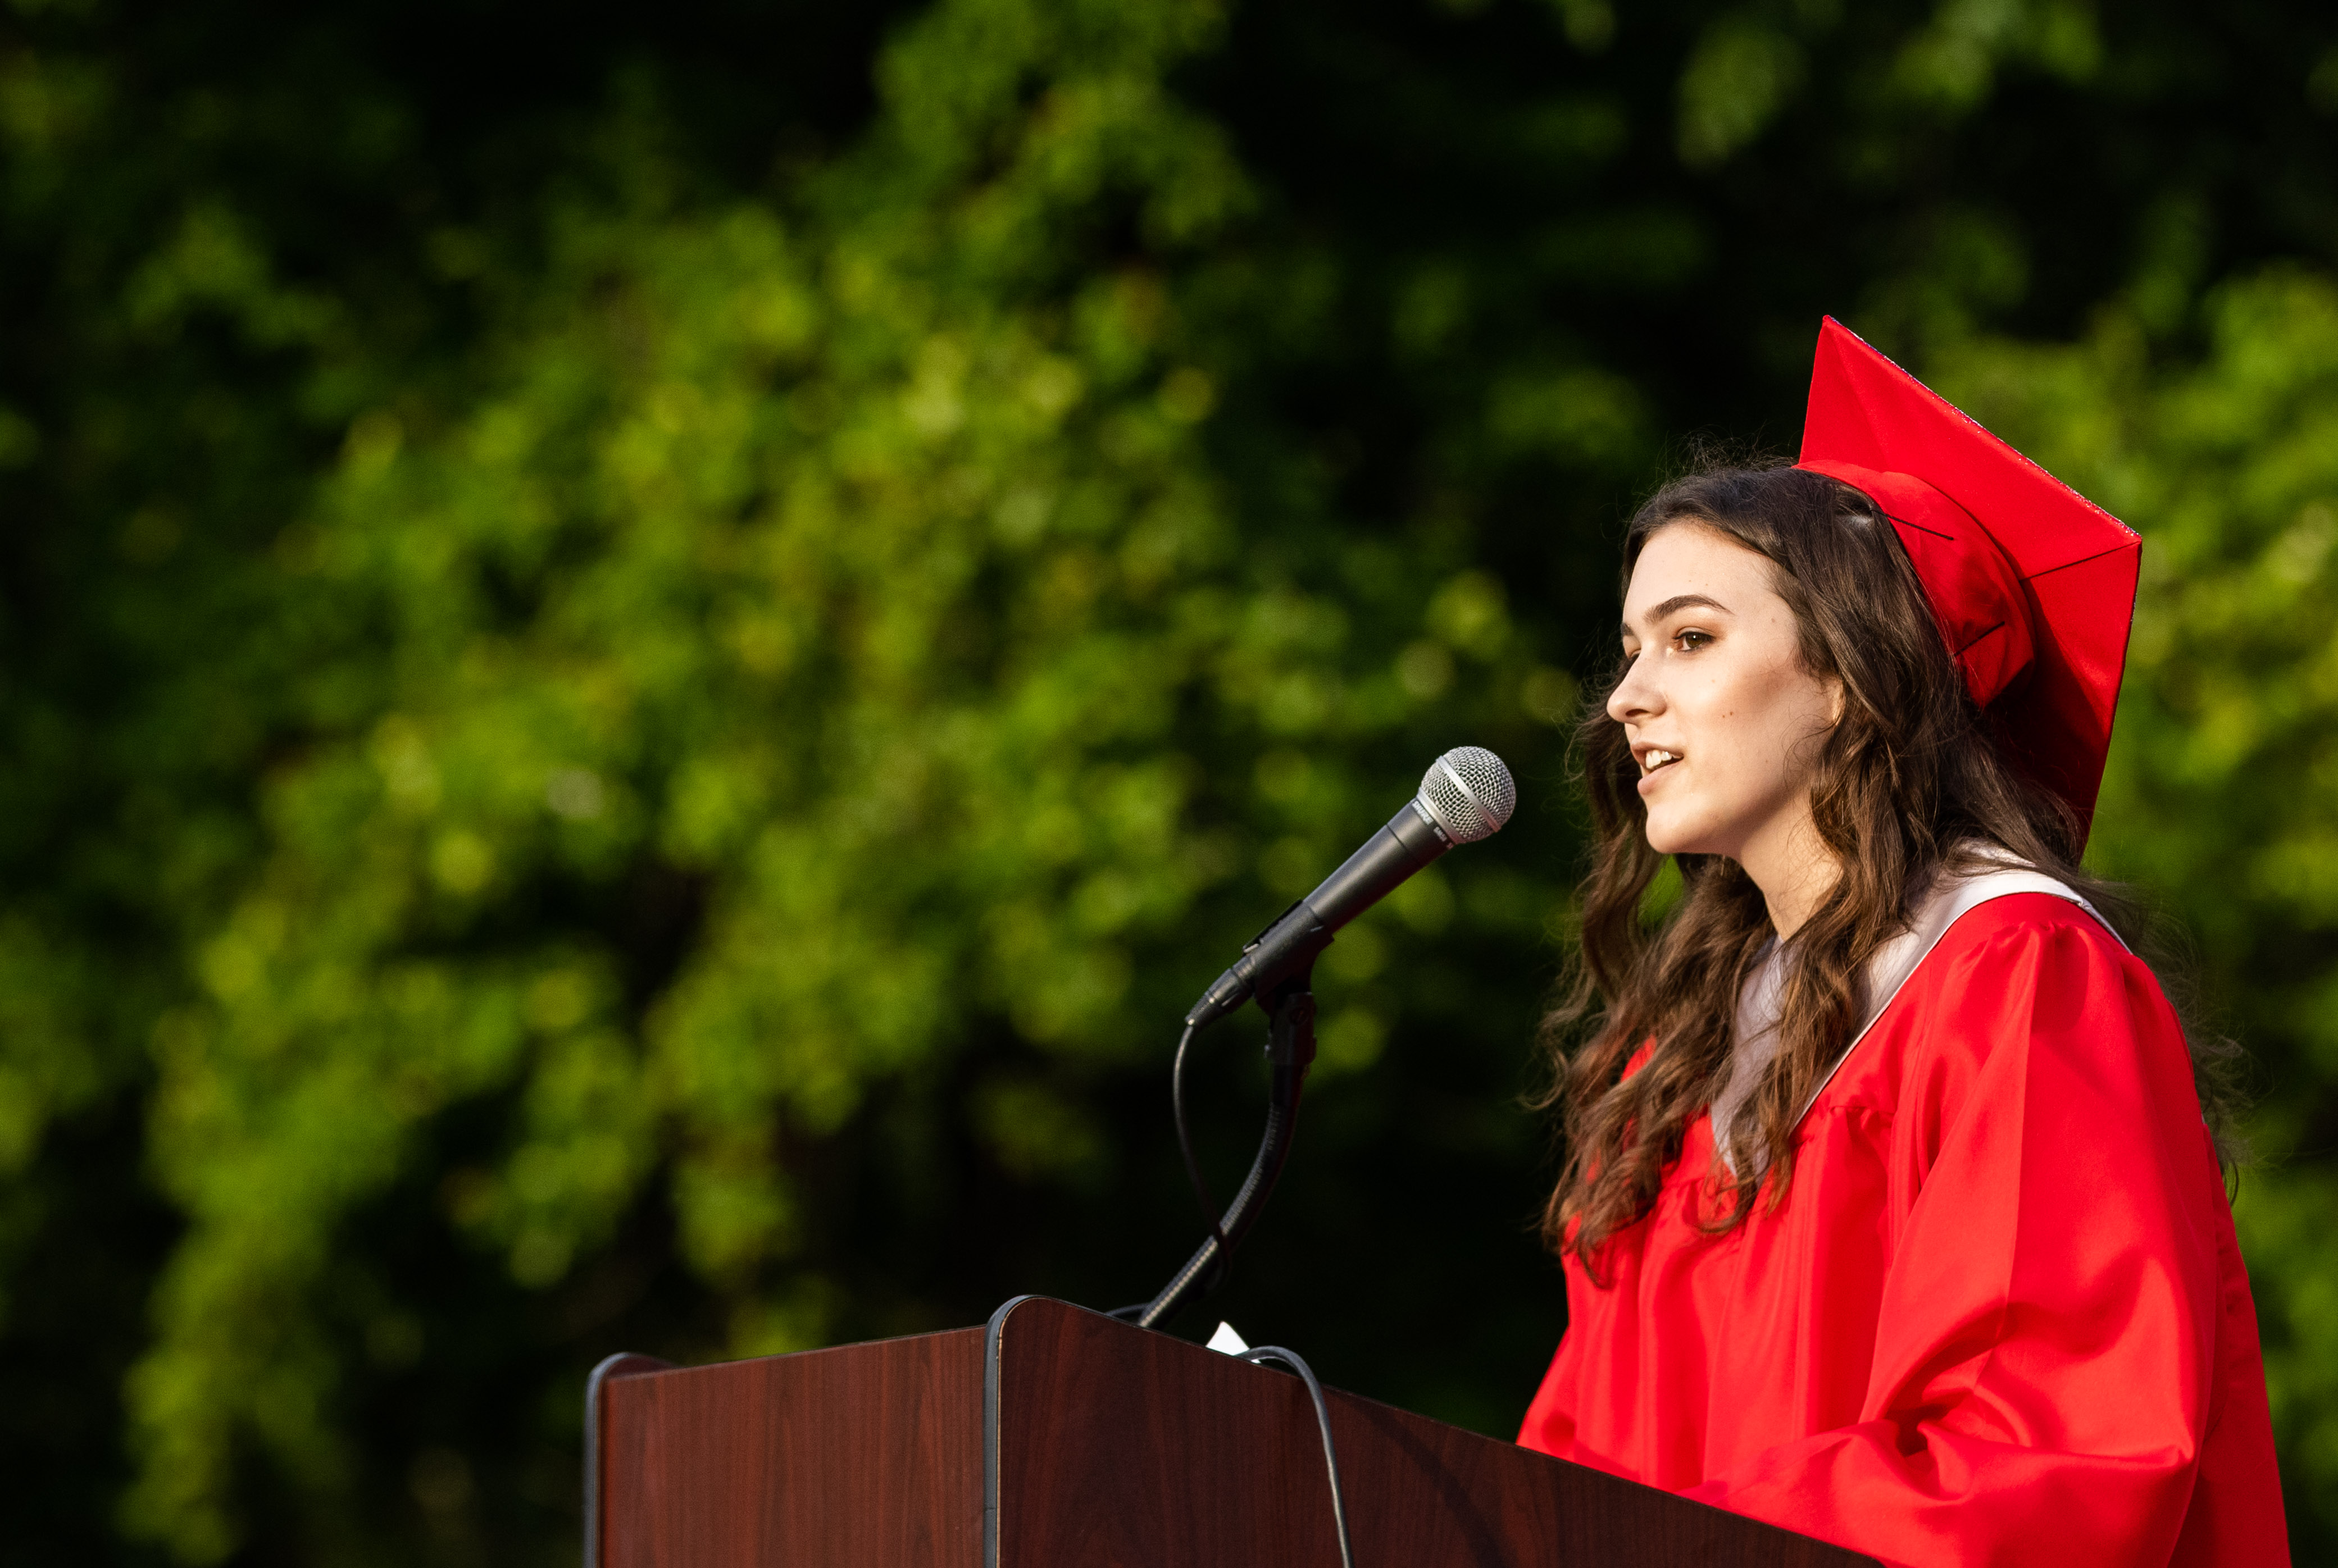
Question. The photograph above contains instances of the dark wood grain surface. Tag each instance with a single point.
(1117, 1448)
(866, 1455)
(1134, 1450)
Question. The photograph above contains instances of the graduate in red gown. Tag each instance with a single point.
(1891, 1213)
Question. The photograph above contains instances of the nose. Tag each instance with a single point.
(1636, 696)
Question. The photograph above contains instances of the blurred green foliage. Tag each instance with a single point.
(644, 656)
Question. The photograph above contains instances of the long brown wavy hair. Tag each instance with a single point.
(1907, 780)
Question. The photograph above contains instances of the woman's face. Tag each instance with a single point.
(1724, 719)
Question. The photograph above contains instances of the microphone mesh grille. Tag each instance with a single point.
(1469, 793)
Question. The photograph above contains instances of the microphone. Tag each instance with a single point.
(1467, 795)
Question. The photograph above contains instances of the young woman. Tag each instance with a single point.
(1890, 1214)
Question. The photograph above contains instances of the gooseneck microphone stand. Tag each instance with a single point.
(1290, 1051)
(1466, 795)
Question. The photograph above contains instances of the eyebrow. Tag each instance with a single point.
(1679, 602)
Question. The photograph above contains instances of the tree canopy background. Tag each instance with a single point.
(646, 652)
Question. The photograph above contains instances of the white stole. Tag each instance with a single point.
(1950, 898)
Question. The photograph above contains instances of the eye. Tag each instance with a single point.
(1689, 642)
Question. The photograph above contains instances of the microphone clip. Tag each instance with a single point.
(1290, 1024)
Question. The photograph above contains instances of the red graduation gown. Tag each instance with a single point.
(2000, 1317)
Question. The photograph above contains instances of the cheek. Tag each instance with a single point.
(1756, 726)
(1785, 723)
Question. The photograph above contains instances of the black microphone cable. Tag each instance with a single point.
(1193, 1163)
(1293, 1359)
(1200, 1183)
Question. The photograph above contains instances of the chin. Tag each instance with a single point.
(1667, 836)
(1667, 843)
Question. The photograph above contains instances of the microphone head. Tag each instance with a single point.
(1470, 794)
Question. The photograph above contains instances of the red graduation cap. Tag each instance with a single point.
(2032, 583)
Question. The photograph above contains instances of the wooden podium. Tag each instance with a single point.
(1061, 1439)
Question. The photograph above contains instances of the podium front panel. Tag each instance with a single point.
(867, 1455)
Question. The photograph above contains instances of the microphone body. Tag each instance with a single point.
(1466, 795)
(1410, 840)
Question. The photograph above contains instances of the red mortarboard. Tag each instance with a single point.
(2032, 583)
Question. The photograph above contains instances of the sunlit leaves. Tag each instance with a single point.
(1742, 74)
(864, 573)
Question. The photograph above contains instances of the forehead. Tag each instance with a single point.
(1690, 558)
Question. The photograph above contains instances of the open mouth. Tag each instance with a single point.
(1653, 760)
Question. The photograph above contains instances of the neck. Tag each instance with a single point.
(1796, 871)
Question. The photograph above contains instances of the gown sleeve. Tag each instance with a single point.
(2044, 1374)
